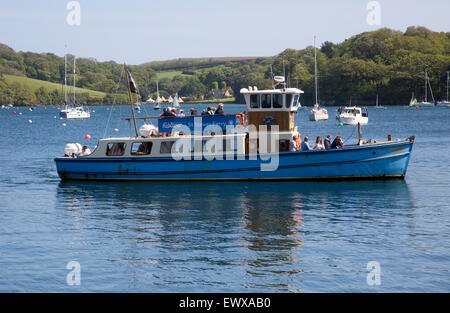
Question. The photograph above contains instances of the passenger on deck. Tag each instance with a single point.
(193, 111)
(219, 110)
(298, 141)
(205, 112)
(337, 143)
(305, 144)
(174, 112)
(85, 151)
(181, 113)
(327, 142)
(292, 144)
(319, 145)
(211, 110)
(166, 113)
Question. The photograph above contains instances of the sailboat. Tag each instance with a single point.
(445, 103)
(157, 105)
(425, 103)
(378, 106)
(176, 103)
(71, 110)
(316, 113)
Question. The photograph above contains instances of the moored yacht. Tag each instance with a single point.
(317, 113)
(226, 147)
(353, 115)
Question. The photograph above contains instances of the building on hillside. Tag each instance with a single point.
(220, 94)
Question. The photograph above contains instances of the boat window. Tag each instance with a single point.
(166, 146)
(288, 100)
(254, 101)
(277, 101)
(295, 103)
(266, 101)
(115, 149)
(141, 148)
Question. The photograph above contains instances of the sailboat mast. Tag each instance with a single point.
(447, 85)
(426, 90)
(65, 78)
(74, 71)
(315, 69)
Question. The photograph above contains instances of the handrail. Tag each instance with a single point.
(158, 117)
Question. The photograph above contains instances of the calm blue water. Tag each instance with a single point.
(217, 236)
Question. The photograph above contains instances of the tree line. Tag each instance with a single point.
(384, 62)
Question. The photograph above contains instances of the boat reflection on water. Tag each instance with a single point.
(237, 233)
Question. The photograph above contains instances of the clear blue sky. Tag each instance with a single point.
(135, 31)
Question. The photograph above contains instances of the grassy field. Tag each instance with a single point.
(168, 74)
(36, 84)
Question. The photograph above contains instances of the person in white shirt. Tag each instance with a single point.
(319, 145)
(85, 151)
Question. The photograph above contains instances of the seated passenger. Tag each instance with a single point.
(292, 144)
(193, 111)
(219, 110)
(327, 142)
(118, 149)
(211, 110)
(305, 144)
(181, 113)
(319, 145)
(85, 151)
(298, 141)
(337, 143)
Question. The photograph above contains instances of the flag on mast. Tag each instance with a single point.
(133, 87)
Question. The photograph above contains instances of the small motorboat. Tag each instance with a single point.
(353, 115)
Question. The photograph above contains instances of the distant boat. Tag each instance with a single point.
(424, 103)
(316, 113)
(445, 103)
(158, 100)
(378, 106)
(71, 110)
(353, 115)
(176, 104)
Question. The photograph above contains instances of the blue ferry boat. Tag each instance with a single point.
(225, 147)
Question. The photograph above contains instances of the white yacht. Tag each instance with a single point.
(71, 110)
(353, 115)
(424, 103)
(316, 113)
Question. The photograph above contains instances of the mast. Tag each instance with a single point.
(74, 80)
(447, 85)
(426, 90)
(65, 78)
(131, 99)
(315, 70)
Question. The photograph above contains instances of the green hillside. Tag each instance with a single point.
(35, 84)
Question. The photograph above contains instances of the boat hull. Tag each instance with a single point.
(351, 120)
(386, 160)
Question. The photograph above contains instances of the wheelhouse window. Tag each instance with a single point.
(288, 100)
(166, 146)
(295, 102)
(254, 101)
(266, 101)
(277, 101)
(141, 148)
(115, 149)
